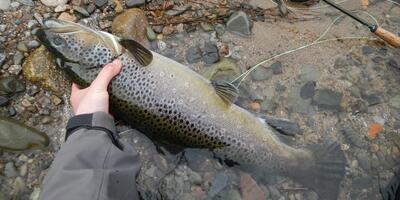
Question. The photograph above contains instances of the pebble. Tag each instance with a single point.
(239, 23)
(21, 46)
(134, 3)
(12, 111)
(277, 68)
(168, 30)
(249, 188)
(220, 29)
(158, 28)
(91, 8)
(210, 53)
(307, 91)
(10, 171)
(3, 101)
(17, 58)
(100, 3)
(81, 11)
(56, 100)
(23, 169)
(367, 50)
(61, 8)
(206, 26)
(327, 99)
(374, 148)
(3, 27)
(26, 103)
(151, 35)
(193, 54)
(53, 3)
(26, 2)
(31, 24)
(15, 69)
(261, 74)
(38, 17)
(161, 45)
(363, 161)
(255, 106)
(67, 17)
(218, 184)
(2, 59)
(46, 120)
(33, 44)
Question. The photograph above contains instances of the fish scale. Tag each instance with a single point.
(167, 100)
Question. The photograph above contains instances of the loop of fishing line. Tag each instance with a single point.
(244, 75)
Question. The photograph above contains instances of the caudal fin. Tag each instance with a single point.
(325, 175)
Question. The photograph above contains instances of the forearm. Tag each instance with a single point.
(90, 165)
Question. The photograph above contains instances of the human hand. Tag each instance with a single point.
(95, 97)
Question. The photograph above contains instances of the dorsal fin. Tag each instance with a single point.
(228, 92)
(141, 53)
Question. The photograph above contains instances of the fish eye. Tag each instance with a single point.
(58, 41)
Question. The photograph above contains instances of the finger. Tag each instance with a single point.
(106, 75)
(75, 88)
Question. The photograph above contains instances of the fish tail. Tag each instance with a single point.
(326, 172)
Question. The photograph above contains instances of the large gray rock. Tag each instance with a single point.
(15, 136)
(4, 4)
(239, 23)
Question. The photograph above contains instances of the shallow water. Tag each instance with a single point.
(364, 74)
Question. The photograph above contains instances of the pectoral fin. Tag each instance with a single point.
(141, 54)
(228, 92)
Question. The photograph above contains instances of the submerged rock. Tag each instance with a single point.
(327, 99)
(41, 69)
(193, 54)
(131, 24)
(308, 90)
(210, 53)
(15, 136)
(261, 74)
(219, 183)
(239, 23)
(249, 188)
(10, 85)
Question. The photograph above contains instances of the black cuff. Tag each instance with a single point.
(94, 121)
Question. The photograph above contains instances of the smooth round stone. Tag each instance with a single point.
(261, 74)
(193, 54)
(210, 53)
(54, 3)
(134, 3)
(239, 23)
(10, 170)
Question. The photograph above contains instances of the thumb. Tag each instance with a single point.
(106, 75)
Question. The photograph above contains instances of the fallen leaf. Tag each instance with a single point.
(374, 130)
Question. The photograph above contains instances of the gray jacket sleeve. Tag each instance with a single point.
(92, 164)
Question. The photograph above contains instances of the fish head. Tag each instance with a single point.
(78, 49)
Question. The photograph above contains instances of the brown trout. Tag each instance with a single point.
(161, 97)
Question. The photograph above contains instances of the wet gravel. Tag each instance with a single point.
(336, 91)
